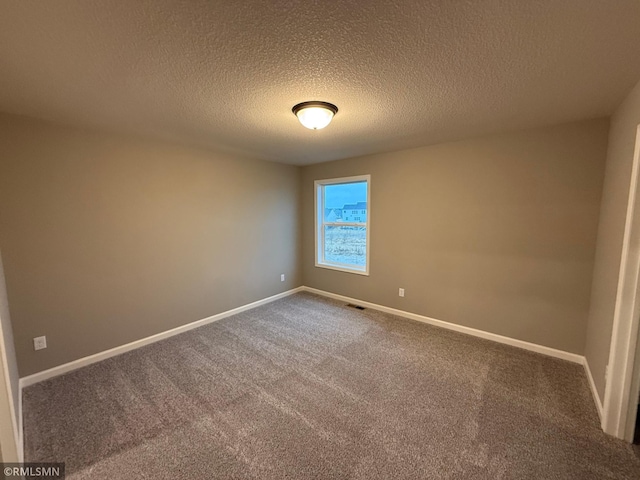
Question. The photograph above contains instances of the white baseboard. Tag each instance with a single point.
(551, 352)
(594, 390)
(82, 362)
(97, 357)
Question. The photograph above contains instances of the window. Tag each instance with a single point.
(342, 242)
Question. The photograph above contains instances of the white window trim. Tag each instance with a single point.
(319, 205)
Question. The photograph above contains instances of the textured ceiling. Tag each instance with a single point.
(225, 74)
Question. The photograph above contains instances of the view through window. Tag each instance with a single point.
(342, 223)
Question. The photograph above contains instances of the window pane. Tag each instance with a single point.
(344, 244)
(342, 201)
(342, 219)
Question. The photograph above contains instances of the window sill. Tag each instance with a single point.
(330, 266)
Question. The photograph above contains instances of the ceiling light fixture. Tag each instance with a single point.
(315, 115)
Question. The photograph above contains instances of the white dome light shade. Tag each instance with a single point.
(315, 115)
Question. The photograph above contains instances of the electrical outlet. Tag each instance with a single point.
(282, 277)
(401, 292)
(39, 343)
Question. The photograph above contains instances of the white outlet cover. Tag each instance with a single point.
(401, 292)
(282, 277)
(39, 343)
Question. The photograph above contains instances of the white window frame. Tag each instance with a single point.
(320, 224)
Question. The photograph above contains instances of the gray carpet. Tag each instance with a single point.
(306, 387)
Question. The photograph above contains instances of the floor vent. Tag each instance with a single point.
(355, 306)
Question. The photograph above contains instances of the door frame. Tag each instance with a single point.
(9, 433)
(623, 377)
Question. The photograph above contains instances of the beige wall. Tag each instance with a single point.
(615, 195)
(108, 239)
(496, 233)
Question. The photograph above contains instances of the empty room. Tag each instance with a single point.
(320, 239)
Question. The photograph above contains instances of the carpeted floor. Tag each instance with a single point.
(306, 387)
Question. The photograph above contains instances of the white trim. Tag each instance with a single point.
(352, 179)
(618, 415)
(9, 391)
(318, 199)
(551, 352)
(112, 352)
(594, 390)
(82, 362)
(337, 267)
